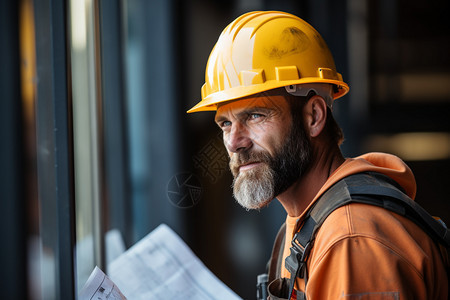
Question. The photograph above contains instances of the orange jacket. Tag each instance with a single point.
(366, 252)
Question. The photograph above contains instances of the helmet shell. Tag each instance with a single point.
(264, 50)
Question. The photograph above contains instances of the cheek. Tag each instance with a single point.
(265, 129)
(270, 135)
(281, 138)
(272, 141)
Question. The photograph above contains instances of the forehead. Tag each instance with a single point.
(276, 103)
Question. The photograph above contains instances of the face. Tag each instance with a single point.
(268, 148)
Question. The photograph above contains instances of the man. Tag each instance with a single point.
(272, 81)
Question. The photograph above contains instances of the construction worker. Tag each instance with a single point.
(272, 81)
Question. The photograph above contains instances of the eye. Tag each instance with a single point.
(255, 116)
(224, 124)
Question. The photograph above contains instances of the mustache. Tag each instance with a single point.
(246, 157)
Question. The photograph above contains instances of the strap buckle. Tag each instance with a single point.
(295, 263)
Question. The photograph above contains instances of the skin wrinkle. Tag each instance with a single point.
(267, 101)
(310, 116)
(283, 162)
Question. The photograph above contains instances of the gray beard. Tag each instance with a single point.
(257, 187)
(254, 188)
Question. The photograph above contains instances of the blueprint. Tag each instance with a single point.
(160, 266)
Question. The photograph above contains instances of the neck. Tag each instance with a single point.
(299, 195)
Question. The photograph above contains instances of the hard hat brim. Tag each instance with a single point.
(210, 103)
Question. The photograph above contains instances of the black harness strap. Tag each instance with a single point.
(367, 188)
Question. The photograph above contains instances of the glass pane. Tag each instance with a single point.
(152, 111)
(86, 138)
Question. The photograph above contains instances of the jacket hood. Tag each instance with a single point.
(393, 167)
(387, 164)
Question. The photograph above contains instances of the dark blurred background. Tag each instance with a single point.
(96, 138)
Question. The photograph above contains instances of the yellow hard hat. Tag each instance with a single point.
(264, 50)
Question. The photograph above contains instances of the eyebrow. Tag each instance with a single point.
(220, 119)
(244, 112)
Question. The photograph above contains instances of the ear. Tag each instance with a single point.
(315, 115)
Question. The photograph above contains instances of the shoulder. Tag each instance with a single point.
(378, 227)
(367, 248)
(373, 233)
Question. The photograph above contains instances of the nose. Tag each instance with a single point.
(238, 138)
